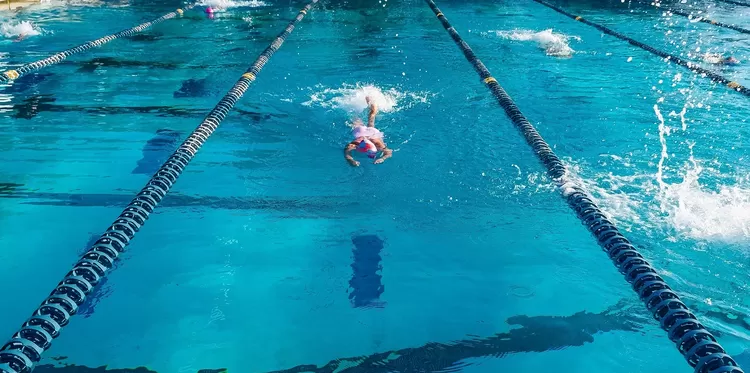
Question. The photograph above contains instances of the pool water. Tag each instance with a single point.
(272, 254)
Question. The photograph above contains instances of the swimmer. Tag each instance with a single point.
(368, 139)
(21, 36)
(718, 59)
(730, 61)
(210, 12)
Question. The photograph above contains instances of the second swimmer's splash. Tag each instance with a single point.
(719, 59)
(554, 44)
(19, 31)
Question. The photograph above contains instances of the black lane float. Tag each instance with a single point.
(735, 2)
(35, 336)
(706, 20)
(59, 57)
(694, 342)
(666, 56)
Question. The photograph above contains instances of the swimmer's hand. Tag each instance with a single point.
(348, 153)
(387, 153)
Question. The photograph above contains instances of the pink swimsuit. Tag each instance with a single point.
(367, 133)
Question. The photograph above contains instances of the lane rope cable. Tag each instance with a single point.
(697, 18)
(35, 336)
(666, 56)
(14, 74)
(735, 2)
(693, 341)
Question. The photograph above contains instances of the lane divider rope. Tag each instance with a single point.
(666, 56)
(735, 2)
(35, 336)
(694, 342)
(14, 74)
(697, 18)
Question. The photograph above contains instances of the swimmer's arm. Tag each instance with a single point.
(373, 113)
(387, 153)
(348, 153)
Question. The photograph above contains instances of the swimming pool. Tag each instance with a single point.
(267, 255)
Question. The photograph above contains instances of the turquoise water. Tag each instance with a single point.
(250, 263)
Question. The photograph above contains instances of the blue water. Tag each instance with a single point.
(272, 253)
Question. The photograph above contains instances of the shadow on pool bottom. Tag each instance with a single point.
(533, 334)
(72, 368)
(156, 151)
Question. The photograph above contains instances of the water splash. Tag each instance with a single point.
(351, 98)
(554, 44)
(682, 113)
(688, 207)
(663, 133)
(12, 29)
(223, 4)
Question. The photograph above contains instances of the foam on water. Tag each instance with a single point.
(691, 199)
(12, 29)
(351, 98)
(554, 44)
(686, 208)
(232, 3)
(52, 4)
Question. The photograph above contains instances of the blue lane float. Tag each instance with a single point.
(693, 340)
(100, 291)
(366, 286)
(156, 151)
(26, 346)
(668, 57)
(56, 58)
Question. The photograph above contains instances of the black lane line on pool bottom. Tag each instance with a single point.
(36, 104)
(694, 342)
(667, 56)
(366, 286)
(59, 57)
(35, 336)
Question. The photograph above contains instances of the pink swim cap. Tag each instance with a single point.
(366, 146)
(209, 10)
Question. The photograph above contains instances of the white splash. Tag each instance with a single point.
(684, 208)
(554, 44)
(19, 29)
(223, 4)
(351, 98)
(713, 58)
(681, 114)
(43, 5)
(663, 133)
